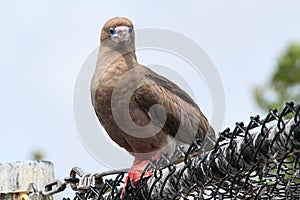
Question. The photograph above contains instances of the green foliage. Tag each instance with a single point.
(37, 155)
(284, 84)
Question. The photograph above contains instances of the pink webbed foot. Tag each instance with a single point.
(136, 171)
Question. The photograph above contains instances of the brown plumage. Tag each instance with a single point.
(120, 84)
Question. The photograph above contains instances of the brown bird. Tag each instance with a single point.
(140, 110)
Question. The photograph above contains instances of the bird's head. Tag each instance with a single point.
(118, 32)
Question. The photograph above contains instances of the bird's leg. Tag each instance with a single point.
(136, 171)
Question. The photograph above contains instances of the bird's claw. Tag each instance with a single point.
(135, 174)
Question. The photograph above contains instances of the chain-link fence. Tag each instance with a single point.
(259, 160)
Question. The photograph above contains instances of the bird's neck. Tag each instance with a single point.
(108, 54)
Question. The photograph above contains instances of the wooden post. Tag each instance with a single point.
(16, 177)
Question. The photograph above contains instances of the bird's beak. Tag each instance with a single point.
(122, 34)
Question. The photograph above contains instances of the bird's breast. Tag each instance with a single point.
(114, 104)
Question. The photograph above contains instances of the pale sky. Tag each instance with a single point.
(43, 45)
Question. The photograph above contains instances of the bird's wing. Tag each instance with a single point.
(184, 120)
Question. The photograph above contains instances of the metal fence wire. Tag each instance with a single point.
(259, 160)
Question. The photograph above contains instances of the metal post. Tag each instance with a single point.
(16, 177)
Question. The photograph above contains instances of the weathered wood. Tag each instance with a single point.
(15, 178)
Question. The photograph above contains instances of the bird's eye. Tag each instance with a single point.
(112, 31)
(130, 29)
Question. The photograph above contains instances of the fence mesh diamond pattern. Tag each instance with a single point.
(259, 160)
